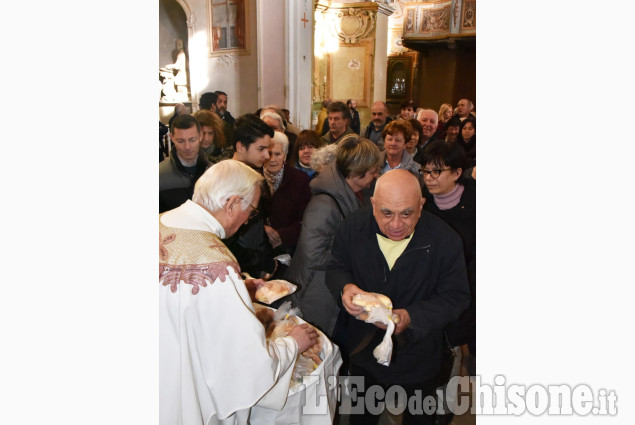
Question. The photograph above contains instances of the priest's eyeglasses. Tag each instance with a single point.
(254, 212)
(434, 173)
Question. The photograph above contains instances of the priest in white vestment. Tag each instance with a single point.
(215, 362)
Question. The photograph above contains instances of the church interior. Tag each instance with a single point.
(295, 53)
(298, 53)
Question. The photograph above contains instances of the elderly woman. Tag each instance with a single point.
(290, 196)
(453, 198)
(336, 192)
(212, 137)
(395, 135)
(306, 144)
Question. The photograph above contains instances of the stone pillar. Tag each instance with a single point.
(381, 51)
(299, 48)
(271, 52)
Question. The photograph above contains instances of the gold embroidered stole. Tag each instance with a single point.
(194, 257)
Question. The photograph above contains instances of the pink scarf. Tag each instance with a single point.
(450, 199)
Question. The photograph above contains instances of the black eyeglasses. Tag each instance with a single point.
(254, 212)
(434, 173)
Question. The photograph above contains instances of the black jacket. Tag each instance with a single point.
(370, 127)
(355, 123)
(176, 185)
(250, 244)
(462, 218)
(429, 280)
(419, 154)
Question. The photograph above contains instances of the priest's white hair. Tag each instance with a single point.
(224, 180)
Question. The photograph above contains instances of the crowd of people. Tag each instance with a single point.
(339, 210)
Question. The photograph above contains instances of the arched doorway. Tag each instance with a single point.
(173, 26)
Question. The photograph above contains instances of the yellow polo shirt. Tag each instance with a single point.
(392, 249)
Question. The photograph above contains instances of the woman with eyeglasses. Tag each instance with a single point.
(290, 196)
(448, 193)
(452, 197)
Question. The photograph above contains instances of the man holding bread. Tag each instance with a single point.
(416, 261)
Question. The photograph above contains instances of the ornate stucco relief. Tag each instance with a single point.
(353, 25)
(227, 58)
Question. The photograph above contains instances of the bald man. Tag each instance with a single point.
(411, 256)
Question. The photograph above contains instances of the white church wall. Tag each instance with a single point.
(271, 52)
(299, 48)
(235, 73)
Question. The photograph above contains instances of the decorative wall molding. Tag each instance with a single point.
(469, 15)
(437, 19)
(190, 18)
(228, 58)
(353, 25)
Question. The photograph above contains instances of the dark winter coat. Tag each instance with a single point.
(429, 280)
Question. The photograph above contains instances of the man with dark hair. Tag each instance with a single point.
(380, 118)
(355, 123)
(208, 101)
(221, 107)
(187, 162)
(250, 244)
(339, 119)
(251, 140)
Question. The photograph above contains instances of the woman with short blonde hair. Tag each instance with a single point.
(353, 167)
